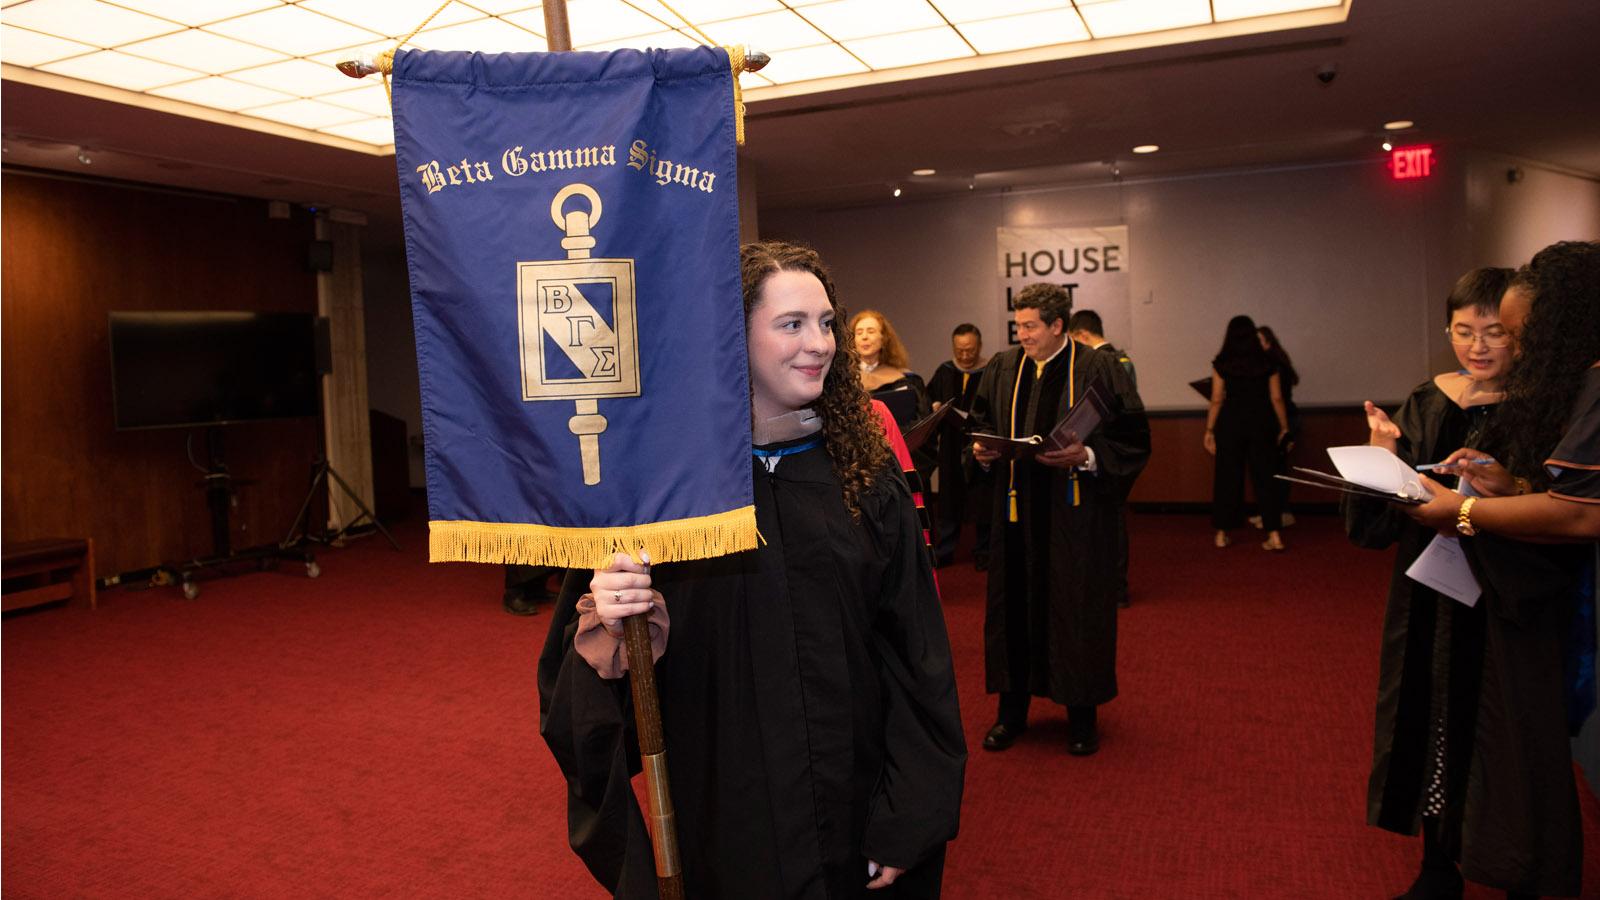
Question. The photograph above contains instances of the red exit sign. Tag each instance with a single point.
(1411, 162)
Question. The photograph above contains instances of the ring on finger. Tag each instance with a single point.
(616, 596)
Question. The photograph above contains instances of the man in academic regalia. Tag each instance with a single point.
(1085, 327)
(1051, 626)
(961, 485)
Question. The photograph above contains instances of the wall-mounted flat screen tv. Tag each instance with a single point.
(182, 369)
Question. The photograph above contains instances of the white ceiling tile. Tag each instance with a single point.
(661, 40)
(202, 50)
(501, 7)
(21, 47)
(702, 11)
(299, 77)
(1226, 10)
(220, 93)
(959, 11)
(199, 12)
(594, 21)
(371, 99)
(120, 70)
(392, 18)
(771, 32)
(1039, 29)
(846, 19)
(811, 62)
(483, 36)
(378, 132)
(306, 113)
(1112, 18)
(88, 21)
(910, 48)
(295, 31)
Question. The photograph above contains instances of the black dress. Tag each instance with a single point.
(807, 701)
(1246, 435)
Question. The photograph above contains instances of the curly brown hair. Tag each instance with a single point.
(894, 352)
(851, 430)
(1560, 339)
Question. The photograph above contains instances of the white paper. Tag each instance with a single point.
(1443, 567)
(1379, 469)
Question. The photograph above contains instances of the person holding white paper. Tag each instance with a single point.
(1433, 646)
(1530, 540)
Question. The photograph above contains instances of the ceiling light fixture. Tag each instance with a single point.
(1387, 146)
(83, 156)
(923, 172)
(1398, 125)
(897, 190)
(1147, 148)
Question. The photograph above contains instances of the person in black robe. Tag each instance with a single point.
(963, 487)
(1086, 327)
(807, 698)
(1432, 657)
(1522, 830)
(1051, 624)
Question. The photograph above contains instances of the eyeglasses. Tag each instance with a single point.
(1494, 340)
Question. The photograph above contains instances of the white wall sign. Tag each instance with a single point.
(1091, 263)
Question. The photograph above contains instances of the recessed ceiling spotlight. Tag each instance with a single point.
(83, 156)
(1387, 146)
(897, 190)
(1146, 148)
(1398, 125)
(924, 172)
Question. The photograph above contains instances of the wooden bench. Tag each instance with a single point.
(47, 570)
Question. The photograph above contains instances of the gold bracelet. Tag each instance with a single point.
(1464, 518)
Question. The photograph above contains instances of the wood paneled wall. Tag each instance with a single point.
(1180, 469)
(72, 252)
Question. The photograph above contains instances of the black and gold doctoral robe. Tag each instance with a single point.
(807, 702)
(1057, 638)
(1490, 674)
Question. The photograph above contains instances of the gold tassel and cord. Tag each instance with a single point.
(384, 63)
(510, 543)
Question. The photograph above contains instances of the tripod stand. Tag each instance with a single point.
(300, 532)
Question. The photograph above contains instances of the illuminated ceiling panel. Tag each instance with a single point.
(273, 59)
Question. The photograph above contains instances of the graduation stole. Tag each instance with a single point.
(1072, 398)
(572, 233)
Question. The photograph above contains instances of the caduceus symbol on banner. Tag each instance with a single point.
(578, 326)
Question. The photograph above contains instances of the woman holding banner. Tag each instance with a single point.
(807, 696)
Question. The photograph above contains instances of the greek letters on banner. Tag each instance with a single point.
(1091, 263)
(572, 233)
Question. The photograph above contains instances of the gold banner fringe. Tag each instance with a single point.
(588, 548)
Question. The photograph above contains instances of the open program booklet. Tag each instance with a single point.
(1367, 472)
(1079, 422)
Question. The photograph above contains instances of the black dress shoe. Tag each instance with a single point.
(1002, 736)
(518, 603)
(1436, 883)
(1084, 745)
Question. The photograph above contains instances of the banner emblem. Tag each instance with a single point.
(578, 326)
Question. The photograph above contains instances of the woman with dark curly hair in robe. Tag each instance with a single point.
(807, 697)
(1529, 531)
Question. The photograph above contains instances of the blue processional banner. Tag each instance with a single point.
(572, 233)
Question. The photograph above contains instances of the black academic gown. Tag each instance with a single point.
(807, 701)
(1067, 618)
(1511, 814)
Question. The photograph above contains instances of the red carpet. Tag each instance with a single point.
(373, 733)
